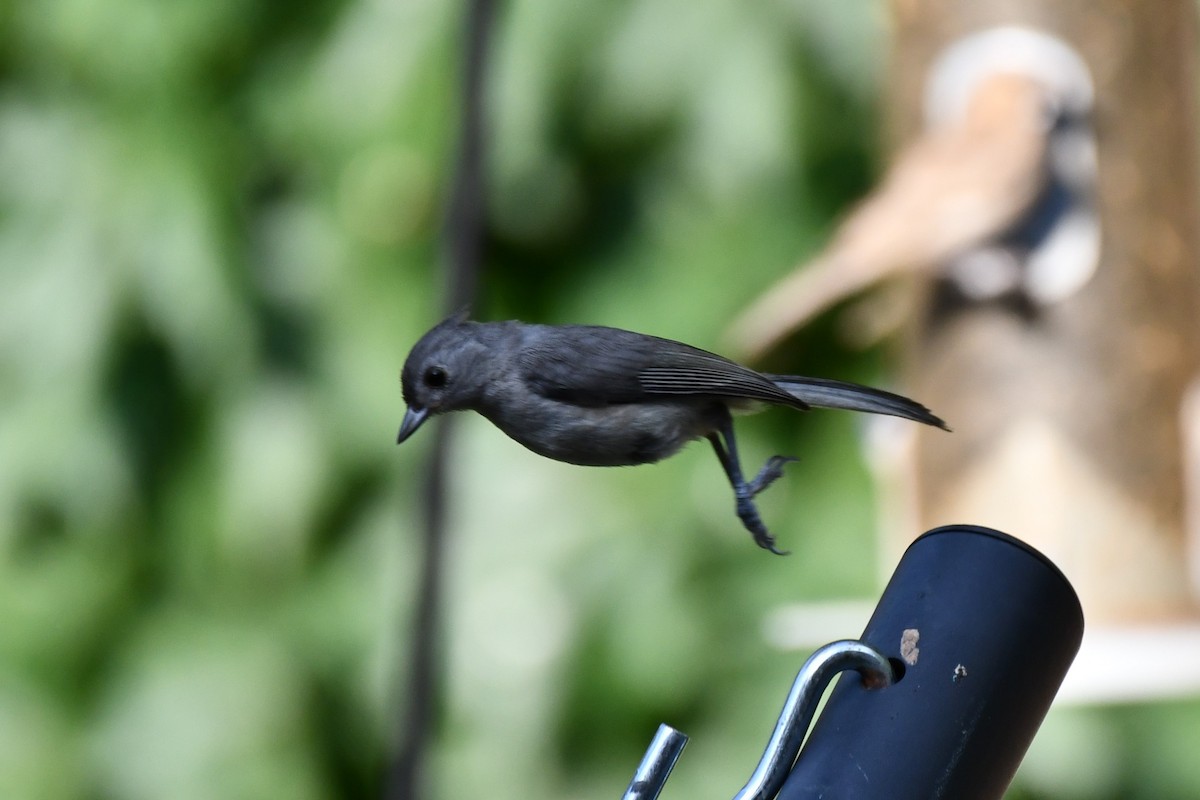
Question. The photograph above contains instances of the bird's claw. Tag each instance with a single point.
(770, 472)
(748, 514)
(769, 544)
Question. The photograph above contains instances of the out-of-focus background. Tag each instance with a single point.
(219, 236)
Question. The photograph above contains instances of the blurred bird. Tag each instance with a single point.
(605, 397)
(960, 184)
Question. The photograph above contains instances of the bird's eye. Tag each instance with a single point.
(435, 377)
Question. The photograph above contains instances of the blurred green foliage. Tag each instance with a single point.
(219, 230)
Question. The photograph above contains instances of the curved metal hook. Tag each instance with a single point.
(820, 668)
(784, 746)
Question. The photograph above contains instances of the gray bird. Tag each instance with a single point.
(607, 397)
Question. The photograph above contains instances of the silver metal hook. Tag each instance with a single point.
(784, 746)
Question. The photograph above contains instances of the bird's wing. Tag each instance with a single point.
(595, 366)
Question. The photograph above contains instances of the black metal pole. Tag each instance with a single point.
(462, 252)
(985, 628)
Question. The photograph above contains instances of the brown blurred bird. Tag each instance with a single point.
(958, 185)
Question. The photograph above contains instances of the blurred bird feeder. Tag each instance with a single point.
(1045, 224)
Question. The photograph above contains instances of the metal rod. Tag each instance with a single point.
(656, 765)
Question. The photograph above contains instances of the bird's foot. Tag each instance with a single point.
(748, 514)
(770, 472)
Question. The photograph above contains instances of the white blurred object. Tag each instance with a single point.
(1115, 664)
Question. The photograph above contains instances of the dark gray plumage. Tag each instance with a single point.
(608, 397)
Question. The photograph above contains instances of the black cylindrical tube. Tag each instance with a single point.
(985, 628)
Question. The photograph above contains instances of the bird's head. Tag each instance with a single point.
(444, 372)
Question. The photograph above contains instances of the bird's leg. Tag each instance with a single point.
(744, 492)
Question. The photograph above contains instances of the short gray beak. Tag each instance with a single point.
(413, 417)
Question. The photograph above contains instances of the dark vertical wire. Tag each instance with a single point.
(462, 245)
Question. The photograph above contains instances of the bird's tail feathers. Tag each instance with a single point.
(826, 393)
